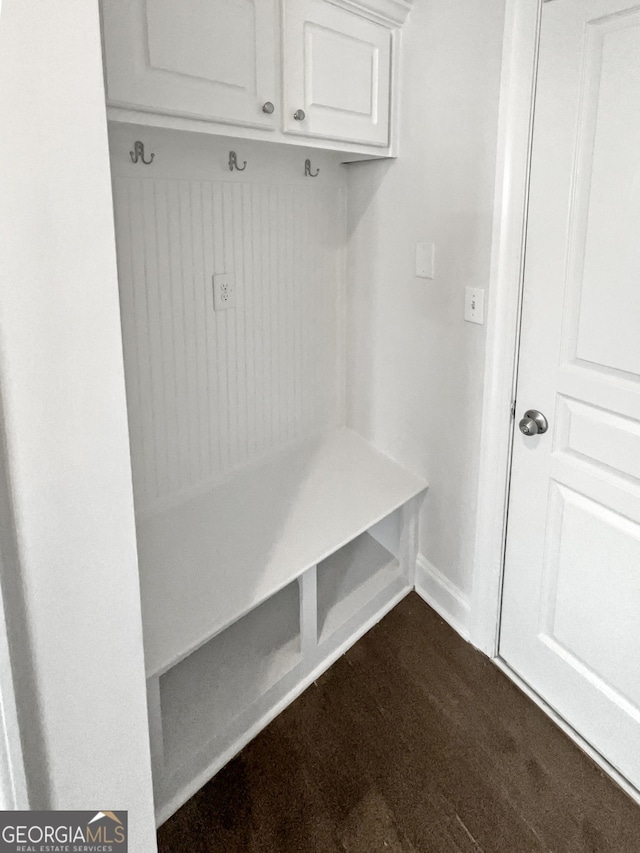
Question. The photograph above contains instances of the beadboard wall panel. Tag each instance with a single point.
(212, 391)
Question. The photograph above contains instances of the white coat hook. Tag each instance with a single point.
(307, 170)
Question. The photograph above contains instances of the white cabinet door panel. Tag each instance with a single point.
(337, 69)
(210, 59)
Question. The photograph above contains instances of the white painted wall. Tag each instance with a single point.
(66, 508)
(416, 368)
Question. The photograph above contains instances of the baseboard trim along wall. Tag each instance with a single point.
(445, 597)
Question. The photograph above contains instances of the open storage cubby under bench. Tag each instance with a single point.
(251, 590)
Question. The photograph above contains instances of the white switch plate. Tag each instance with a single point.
(474, 305)
(425, 260)
(224, 291)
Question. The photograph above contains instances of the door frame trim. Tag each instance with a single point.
(511, 194)
(13, 781)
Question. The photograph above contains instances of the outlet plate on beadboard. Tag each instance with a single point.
(224, 291)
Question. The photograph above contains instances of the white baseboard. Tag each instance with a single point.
(445, 597)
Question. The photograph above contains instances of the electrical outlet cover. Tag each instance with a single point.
(224, 292)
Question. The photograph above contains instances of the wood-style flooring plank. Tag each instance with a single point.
(413, 742)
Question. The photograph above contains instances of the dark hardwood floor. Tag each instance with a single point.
(411, 742)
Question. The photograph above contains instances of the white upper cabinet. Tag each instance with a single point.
(337, 73)
(246, 67)
(206, 59)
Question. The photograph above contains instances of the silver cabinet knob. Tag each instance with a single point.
(268, 108)
(299, 115)
(533, 423)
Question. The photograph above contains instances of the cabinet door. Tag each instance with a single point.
(337, 69)
(209, 59)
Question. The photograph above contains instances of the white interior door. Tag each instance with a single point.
(213, 59)
(571, 607)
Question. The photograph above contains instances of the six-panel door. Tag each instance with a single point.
(208, 59)
(337, 71)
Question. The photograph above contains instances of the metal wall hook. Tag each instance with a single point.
(307, 170)
(233, 162)
(138, 153)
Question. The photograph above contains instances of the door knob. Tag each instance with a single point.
(268, 108)
(299, 115)
(533, 423)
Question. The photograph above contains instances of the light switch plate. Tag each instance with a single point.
(425, 260)
(474, 305)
